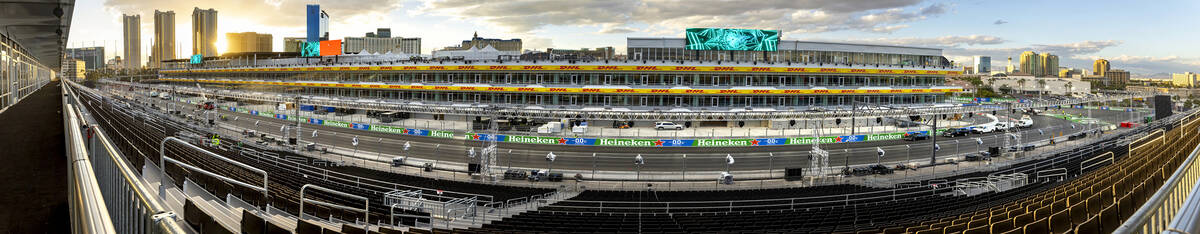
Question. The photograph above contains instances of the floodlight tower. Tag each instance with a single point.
(820, 158)
(488, 154)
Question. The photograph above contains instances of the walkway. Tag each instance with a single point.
(33, 169)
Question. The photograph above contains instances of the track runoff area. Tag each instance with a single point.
(359, 147)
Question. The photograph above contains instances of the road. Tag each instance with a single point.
(657, 159)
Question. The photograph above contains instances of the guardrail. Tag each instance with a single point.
(366, 202)
(1158, 214)
(478, 110)
(89, 214)
(163, 159)
(108, 196)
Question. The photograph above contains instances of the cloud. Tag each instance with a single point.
(613, 28)
(1076, 54)
(999, 22)
(522, 16)
(939, 42)
(537, 43)
(1147, 65)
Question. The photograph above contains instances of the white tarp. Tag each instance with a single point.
(474, 53)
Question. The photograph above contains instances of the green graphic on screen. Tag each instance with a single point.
(732, 39)
(311, 49)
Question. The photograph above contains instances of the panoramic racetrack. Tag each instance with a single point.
(658, 158)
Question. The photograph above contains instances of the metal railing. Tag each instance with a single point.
(366, 203)
(620, 115)
(89, 214)
(163, 159)
(108, 196)
(1158, 214)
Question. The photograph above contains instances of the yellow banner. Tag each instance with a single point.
(584, 68)
(580, 90)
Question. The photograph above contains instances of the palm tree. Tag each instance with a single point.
(1041, 85)
(1022, 83)
(1069, 90)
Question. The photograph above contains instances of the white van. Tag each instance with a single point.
(984, 128)
(667, 126)
(1025, 122)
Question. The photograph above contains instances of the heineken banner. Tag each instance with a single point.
(387, 129)
(617, 142)
(335, 123)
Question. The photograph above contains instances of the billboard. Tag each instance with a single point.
(197, 59)
(732, 39)
(310, 49)
(331, 47)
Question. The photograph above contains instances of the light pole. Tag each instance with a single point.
(957, 153)
(936, 148)
(355, 154)
(314, 136)
(639, 161)
(907, 156)
(298, 123)
(728, 162)
(436, 159)
(378, 154)
(978, 145)
(685, 167)
(550, 161)
(770, 165)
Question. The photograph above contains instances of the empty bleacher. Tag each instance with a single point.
(1092, 198)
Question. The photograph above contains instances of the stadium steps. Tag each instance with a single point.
(1097, 202)
(279, 217)
(175, 198)
(234, 201)
(321, 222)
(509, 212)
(228, 217)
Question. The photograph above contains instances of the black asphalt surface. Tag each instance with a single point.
(34, 167)
(657, 159)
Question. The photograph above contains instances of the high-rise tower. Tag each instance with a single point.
(204, 32)
(132, 31)
(164, 38)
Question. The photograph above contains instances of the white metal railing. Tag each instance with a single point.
(88, 210)
(1158, 214)
(102, 178)
(163, 159)
(485, 110)
(366, 203)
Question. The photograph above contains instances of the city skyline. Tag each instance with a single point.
(1130, 38)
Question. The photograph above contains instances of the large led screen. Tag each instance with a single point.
(197, 59)
(732, 39)
(331, 47)
(310, 49)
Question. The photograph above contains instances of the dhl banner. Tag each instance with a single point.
(581, 90)
(583, 68)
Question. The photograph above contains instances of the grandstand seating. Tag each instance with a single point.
(1091, 200)
(1095, 201)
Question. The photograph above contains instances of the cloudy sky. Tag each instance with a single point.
(1147, 38)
